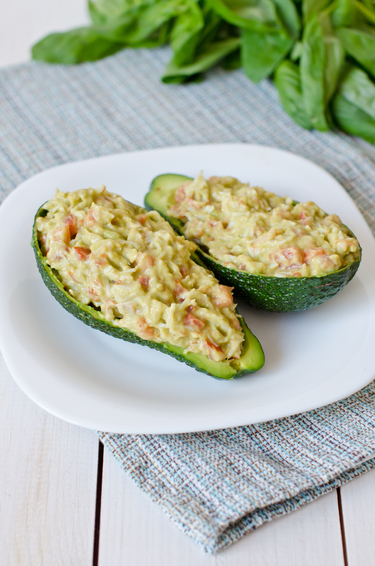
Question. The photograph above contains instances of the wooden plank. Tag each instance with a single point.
(48, 484)
(135, 532)
(358, 504)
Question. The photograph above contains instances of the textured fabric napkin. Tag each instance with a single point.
(216, 486)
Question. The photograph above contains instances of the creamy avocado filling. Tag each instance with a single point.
(252, 230)
(130, 264)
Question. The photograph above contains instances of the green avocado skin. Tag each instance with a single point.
(92, 318)
(275, 294)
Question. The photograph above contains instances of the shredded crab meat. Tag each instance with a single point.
(130, 264)
(252, 230)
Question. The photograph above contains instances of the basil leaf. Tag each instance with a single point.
(96, 16)
(345, 13)
(357, 88)
(367, 11)
(185, 33)
(103, 11)
(353, 106)
(289, 15)
(311, 7)
(75, 46)
(210, 56)
(334, 57)
(261, 53)
(353, 120)
(288, 83)
(312, 68)
(149, 19)
(257, 15)
(360, 44)
(213, 25)
(296, 52)
(145, 18)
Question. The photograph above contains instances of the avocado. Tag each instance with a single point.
(251, 360)
(266, 292)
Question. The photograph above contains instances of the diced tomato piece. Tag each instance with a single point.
(71, 221)
(193, 322)
(304, 220)
(81, 253)
(288, 253)
(179, 291)
(194, 203)
(223, 296)
(145, 330)
(144, 261)
(142, 219)
(289, 257)
(101, 261)
(145, 282)
(184, 271)
(93, 291)
(180, 194)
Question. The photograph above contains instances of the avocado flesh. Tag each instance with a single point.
(251, 360)
(265, 292)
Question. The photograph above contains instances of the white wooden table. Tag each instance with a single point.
(63, 501)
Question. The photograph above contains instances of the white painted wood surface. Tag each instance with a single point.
(49, 468)
(358, 503)
(48, 479)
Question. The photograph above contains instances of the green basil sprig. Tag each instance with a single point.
(320, 53)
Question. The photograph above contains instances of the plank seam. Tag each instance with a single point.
(342, 527)
(98, 504)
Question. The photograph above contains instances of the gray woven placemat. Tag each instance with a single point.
(216, 486)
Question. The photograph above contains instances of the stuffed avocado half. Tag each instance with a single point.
(278, 255)
(122, 270)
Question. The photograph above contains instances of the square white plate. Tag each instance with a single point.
(94, 380)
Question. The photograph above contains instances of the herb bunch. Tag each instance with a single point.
(320, 53)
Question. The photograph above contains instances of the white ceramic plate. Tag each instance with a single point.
(90, 379)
